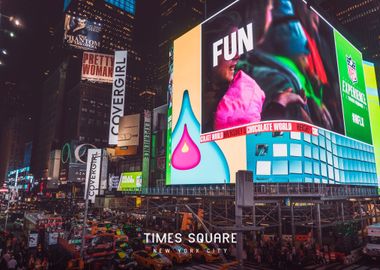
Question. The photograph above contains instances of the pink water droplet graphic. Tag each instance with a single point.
(186, 155)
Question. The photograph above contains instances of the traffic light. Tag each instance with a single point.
(187, 222)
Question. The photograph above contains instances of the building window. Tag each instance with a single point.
(278, 134)
(329, 158)
(315, 140)
(280, 167)
(316, 153)
(322, 141)
(323, 169)
(263, 167)
(308, 167)
(261, 149)
(280, 150)
(307, 151)
(295, 135)
(306, 137)
(295, 150)
(316, 168)
(323, 155)
(295, 166)
(331, 172)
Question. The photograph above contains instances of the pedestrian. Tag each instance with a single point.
(12, 263)
(3, 263)
(31, 262)
(38, 264)
(45, 264)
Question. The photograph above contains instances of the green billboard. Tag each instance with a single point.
(130, 181)
(353, 90)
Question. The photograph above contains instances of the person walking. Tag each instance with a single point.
(12, 263)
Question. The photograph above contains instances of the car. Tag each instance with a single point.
(99, 246)
(123, 259)
(154, 261)
(177, 253)
(204, 252)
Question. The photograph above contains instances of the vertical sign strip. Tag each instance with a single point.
(169, 128)
(353, 90)
(93, 173)
(146, 147)
(118, 95)
(104, 171)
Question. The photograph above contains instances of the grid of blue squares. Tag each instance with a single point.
(126, 5)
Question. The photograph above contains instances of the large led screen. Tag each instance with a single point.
(374, 110)
(271, 71)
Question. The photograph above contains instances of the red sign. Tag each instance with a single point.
(97, 67)
(269, 126)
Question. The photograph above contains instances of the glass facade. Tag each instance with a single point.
(297, 157)
(126, 5)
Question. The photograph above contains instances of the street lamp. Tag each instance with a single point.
(4, 52)
(17, 22)
(13, 19)
(11, 34)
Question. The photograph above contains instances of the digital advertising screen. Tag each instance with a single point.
(271, 87)
(129, 181)
(374, 109)
(82, 33)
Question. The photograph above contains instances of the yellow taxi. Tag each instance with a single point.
(177, 253)
(154, 261)
(202, 252)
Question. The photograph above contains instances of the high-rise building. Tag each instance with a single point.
(81, 113)
(118, 27)
(49, 129)
(361, 19)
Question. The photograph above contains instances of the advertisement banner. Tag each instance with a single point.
(265, 85)
(77, 173)
(353, 90)
(33, 240)
(126, 151)
(118, 95)
(52, 238)
(97, 67)
(249, 76)
(104, 171)
(73, 162)
(129, 130)
(170, 112)
(268, 126)
(113, 182)
(130, 181)
(374, 110)
(93, 173)
(81, 33)
(146, 146)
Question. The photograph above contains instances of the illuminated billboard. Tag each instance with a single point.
(279, 75)
(81, 33)
(130, 181)
(97, 67)
(129, 130)
(374, 110)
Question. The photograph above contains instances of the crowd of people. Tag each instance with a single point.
(281, 254)
(15, 253)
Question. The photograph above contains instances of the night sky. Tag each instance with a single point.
(27, 52)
